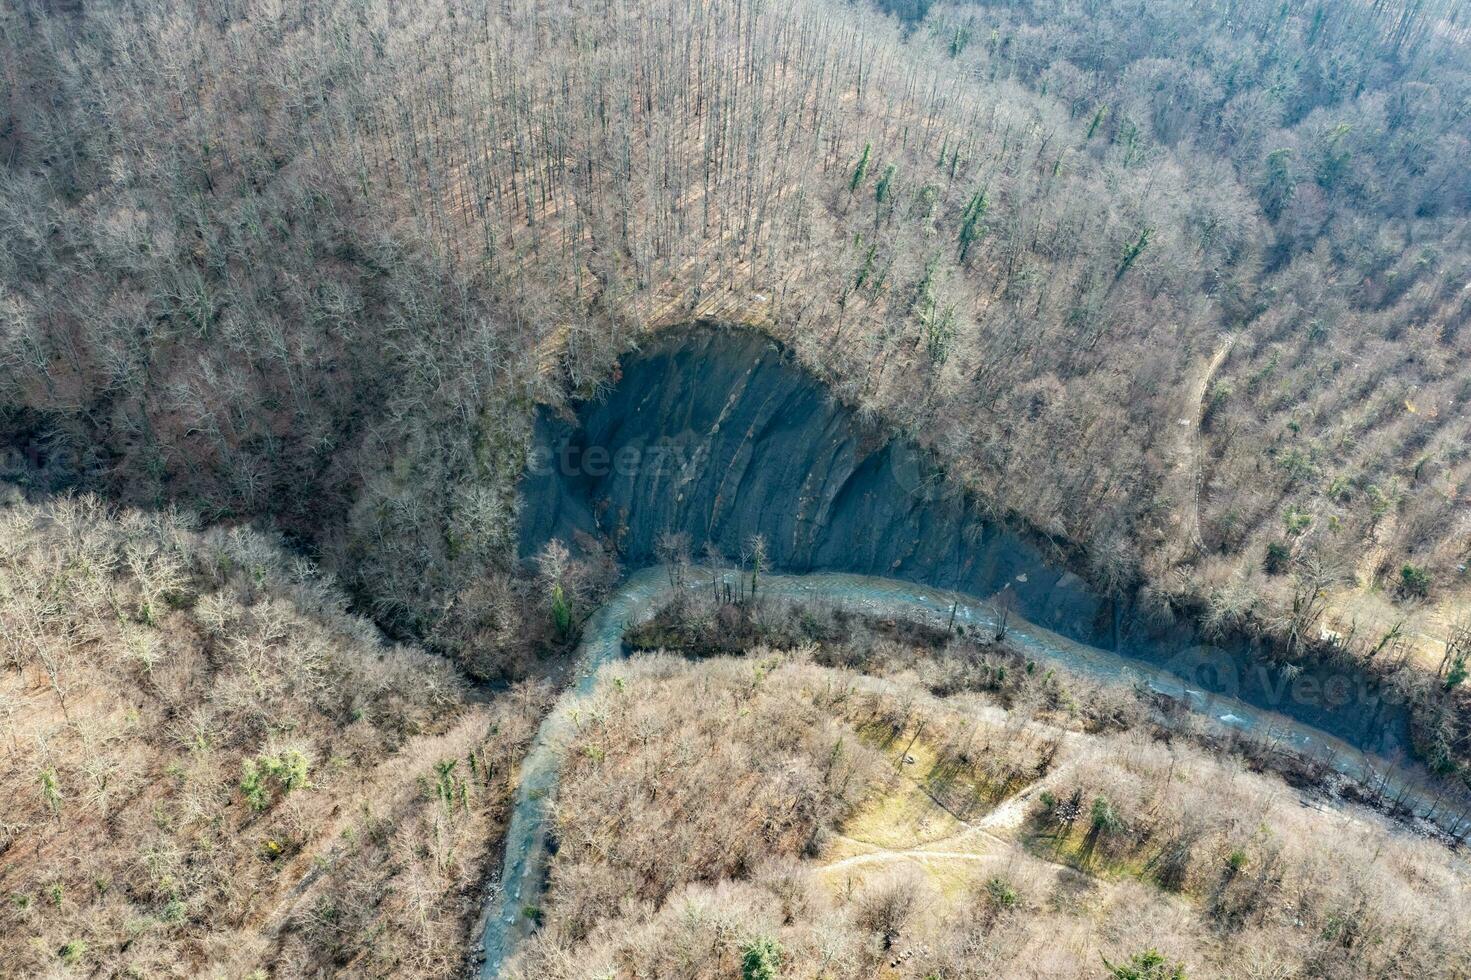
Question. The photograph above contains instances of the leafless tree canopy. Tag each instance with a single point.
(206, 762)
(1181, 286)
(807, 812)
(317, 260)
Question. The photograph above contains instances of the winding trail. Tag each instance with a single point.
(885, 856)
(1191, 451)
(643, 592)
(975, 842)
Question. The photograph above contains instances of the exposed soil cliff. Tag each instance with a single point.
(714, 431)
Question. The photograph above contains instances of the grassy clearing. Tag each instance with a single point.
(677, 870)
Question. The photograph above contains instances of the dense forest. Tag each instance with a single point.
(1179, 289)
(206, 761)
(1178, 285)
(884, 822)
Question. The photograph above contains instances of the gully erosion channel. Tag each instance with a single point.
(715, 432)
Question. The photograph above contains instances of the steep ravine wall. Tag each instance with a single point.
(716, 432)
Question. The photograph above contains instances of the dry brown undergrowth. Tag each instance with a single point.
(708, 808)
(210, 767)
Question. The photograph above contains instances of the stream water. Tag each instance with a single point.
(715, 433)
(643, 592)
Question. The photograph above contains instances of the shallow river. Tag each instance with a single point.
(643, 592)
